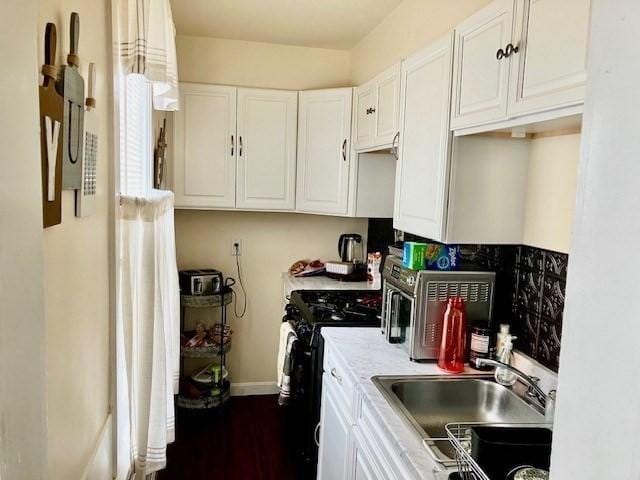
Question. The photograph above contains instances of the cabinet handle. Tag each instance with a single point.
(316, 436)
(335, 375)
(232, 145)
(240, 145)
(394, 147)
(344, 150)
(500, 54)
(373, 110)
(510, 50)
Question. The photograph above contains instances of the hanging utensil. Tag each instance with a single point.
(72, 86)
(159, 157)
(86, 195)
(51, 115)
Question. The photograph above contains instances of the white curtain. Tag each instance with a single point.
(147, 331)
(146, 38)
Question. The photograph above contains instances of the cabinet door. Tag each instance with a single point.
(481, 81)
(267, 124)
(365, 103)
(335, 431)
(363, 461)
(387, 106)
(422, 169)
(362, 467)
(204, 158)
(324, 132)
(549, 70)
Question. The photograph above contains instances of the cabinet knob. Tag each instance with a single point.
(510, 50)
(500, 54)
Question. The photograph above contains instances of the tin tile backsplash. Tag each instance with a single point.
(530, 291)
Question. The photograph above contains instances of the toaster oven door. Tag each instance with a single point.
(398, 315)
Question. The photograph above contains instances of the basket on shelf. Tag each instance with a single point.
(216, 398)
(207, 301)
(205, 352)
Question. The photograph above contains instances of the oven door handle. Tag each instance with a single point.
(316, 436)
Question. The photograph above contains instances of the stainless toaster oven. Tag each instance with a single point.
(414, 302)
(200, 282)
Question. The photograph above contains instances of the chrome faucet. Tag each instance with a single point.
(542, 397)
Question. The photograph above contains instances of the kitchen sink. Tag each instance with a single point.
(429, 403)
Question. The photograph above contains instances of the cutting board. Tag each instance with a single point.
(86, 195)
(72, 86)
(51, 115)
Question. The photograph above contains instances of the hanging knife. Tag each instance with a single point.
(72, 86)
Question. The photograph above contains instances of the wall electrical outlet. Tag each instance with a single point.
(236, 247)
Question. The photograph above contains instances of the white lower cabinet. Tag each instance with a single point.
(335, 434)
(363, 467)
(352, 445)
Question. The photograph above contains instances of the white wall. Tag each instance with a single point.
(551, 192)
(412, 25)
(23, 446)
(271, 242)
(261, 65)
(597, 417)
(76, 268)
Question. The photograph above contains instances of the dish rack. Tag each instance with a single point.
(459, 435)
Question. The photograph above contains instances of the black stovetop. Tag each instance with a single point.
(339, 307)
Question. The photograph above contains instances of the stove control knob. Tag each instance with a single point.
(411, 281)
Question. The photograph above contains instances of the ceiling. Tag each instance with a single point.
(338, 24)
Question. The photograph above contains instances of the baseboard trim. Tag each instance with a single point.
(253, 388)
(100, 463)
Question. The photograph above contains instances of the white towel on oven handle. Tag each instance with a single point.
(285, 330)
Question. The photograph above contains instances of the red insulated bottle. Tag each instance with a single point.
(452, 345)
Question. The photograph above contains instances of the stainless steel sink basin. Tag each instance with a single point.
(429, 403)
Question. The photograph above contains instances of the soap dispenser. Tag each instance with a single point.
(504, 376)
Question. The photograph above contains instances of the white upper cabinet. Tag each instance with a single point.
(520, 57)
(387, 108)
(204, 136)
(480, 89)
(422, 168)
(364, 105)
(266, 144)
(549, 69)
(324, 132)
(377, 111)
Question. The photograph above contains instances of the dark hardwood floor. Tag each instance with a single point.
(247, 440)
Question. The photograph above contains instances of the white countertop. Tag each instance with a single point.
(321, 282)
(368, 354)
